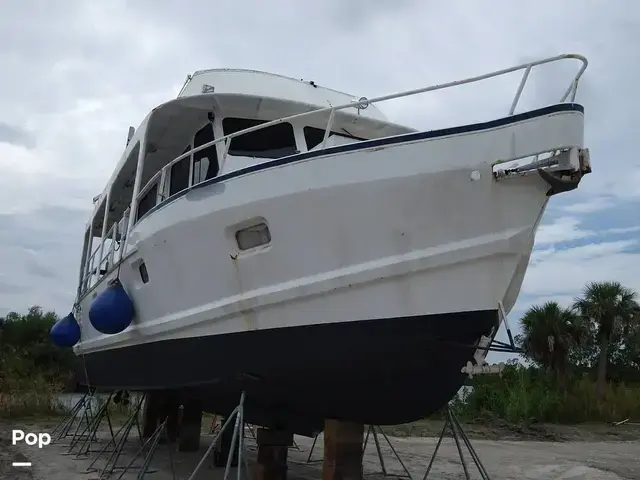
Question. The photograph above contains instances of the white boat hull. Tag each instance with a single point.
(409, 229)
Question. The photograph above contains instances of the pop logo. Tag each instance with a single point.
(31, 439)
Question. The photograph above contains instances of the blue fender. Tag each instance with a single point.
(65, 332)
(112, 310)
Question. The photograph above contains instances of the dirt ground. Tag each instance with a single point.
(593, 452)
(496, 429)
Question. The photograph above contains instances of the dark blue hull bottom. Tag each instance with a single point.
(380, 372)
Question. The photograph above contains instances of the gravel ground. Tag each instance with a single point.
(503, 459)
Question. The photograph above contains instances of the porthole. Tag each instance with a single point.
(144, 275)
(254, 236)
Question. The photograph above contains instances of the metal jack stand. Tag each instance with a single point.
(62, 428)
(90, 432)
(119, 439)
(372, 430)
(313, 445)
(152, 444)
(295, 446)
(237, 441)
(253, 435)
(457, 433)
(79, 415)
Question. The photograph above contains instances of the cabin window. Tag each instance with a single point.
(205, 162)
(314, 136)
(148, 201)
(179, 175)
(200, 169)
(271, 142)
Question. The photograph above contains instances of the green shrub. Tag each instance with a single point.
(527, 395)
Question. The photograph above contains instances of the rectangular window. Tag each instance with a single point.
(148, 201)
(179, 176)
(205, 162)
(271, 142)
(313, 136)
(200, 169)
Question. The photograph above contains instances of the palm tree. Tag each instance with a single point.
(613, 308)
(549, 332)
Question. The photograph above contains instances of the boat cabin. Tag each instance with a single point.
(197, 137)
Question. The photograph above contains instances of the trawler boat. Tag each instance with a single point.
(269, 235)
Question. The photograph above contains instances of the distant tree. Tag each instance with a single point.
(624, 355)
(614, 310)
(549, 332)
(26, 348)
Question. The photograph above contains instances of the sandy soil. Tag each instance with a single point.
(592, 459)
(495, 429)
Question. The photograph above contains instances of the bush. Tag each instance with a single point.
(528, 395)
(36, 396)
(32, 369)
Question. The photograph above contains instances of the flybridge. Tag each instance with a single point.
(265, 85)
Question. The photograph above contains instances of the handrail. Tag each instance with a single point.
(571, 90)
(111, 234)
(108, 258)
(152, 180)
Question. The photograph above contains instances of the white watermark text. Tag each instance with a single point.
(31, 439)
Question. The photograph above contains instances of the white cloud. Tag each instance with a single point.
(618, 231)
(562, 229)
(563, 273)
(589, 205)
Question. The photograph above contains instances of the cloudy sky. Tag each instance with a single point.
(77, 73)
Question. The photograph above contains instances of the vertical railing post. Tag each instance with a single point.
(123, 227)
(89, 252)
(227, 144)
(90, 269)
(192, 166)
(112, 252)
(575, 89)
(163, 184)
(136, 184)
(105, 219)
(83, 261)
(525, 76)
(332, 114)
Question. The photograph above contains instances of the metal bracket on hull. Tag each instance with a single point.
(503, 319)
(490, 344)
(562, 170)
(484, 369)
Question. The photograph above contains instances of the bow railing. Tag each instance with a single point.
(568, 94)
